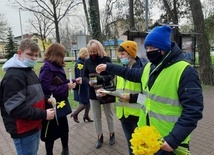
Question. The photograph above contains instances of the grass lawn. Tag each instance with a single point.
(69, 65)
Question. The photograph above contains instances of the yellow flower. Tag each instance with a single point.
(79, 66)
(146, 140)
(61, 104)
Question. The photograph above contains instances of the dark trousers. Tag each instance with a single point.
(49, 144)
(128, 125)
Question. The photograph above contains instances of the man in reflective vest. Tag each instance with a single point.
(128, 113)
(172, 90)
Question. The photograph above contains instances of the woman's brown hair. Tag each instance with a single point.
(55, 54)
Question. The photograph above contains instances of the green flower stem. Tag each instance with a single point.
(46, 130)
(181, 151)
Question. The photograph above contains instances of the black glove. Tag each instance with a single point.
(100, 79)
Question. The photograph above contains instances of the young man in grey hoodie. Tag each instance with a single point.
(23, 102)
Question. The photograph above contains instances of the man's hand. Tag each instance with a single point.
(50, 114)
(100, 68)
(165, 146)
(79, 80)
(100, 94)
(124, 98)
(92, 84)
(71, 85)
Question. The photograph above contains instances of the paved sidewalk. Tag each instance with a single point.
(82, 138)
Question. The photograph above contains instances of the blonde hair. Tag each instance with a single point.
(100, 48)
(55, 54)
(82, 52)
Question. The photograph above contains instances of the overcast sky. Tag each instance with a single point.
(12, 17)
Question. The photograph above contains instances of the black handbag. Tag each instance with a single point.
(63, 107)
(108, 98)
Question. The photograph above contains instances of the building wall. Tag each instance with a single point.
(2, 49)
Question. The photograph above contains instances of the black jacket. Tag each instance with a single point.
(104, 78)
(23, 104)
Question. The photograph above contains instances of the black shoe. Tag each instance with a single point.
(112, 139)
(75, 118)
(99, 142)
(88, 119)
(65, 151)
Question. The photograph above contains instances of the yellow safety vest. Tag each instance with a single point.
(162, 102)
(126, 109)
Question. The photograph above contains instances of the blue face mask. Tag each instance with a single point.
(125, 61)
(29, 63)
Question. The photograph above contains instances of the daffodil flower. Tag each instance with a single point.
(146, 140)
(80, 66)
(61, 104)
(56, 105)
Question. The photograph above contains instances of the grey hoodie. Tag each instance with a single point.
(13, 62)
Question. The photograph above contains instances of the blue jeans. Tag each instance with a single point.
(128, 125)
(27, 145)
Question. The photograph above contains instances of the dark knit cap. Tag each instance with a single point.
(159, 37)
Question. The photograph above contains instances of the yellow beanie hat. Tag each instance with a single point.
(130, 47)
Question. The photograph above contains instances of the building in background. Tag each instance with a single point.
(43, 44)
(111, 47)
(2, 49)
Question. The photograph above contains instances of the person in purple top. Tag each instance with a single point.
(54, 83)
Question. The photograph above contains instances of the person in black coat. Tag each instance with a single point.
(97, 56)
(81, 90)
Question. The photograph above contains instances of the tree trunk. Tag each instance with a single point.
(56, 23)
(131, 12)
(86, 16)
(95, 19)
(206, 69)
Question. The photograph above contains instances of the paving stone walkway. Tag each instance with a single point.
(82, 138)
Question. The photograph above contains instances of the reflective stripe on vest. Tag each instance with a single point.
(162, 101)
(124, 108)
(127, 104)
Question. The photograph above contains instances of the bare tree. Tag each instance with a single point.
(42, 25)
(208, 10)
(172, 10)
(86, 16)
(206, 69)
(66, 39)
(131, 13)
(127, 16)
(109, 24)
(209, 22)
(3, 27)
(55, 10)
